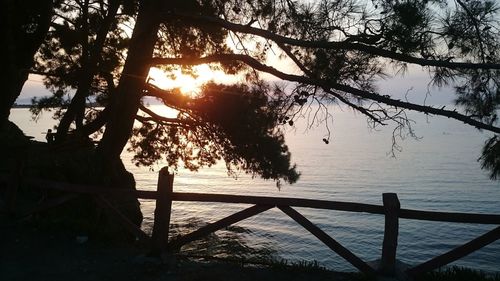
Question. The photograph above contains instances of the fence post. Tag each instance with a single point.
(390, 244)
(162, 211)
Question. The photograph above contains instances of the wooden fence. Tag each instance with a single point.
(164, 196)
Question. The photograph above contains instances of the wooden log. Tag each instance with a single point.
(391, 230)
(449, 216)
(162, 213)
(130, 226)
(328, 241)
(212, 227)
(276, 201)
(456, 253)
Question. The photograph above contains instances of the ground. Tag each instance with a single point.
(31, 252)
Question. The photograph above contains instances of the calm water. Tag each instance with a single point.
(437, 172)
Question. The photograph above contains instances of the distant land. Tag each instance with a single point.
(25, 101)
(16, 105)
(28, 105)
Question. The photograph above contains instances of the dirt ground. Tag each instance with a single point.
(28, 252)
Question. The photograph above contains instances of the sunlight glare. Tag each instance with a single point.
(186, 83)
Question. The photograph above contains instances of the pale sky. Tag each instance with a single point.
(414, 82)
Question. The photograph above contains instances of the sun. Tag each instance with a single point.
(187, 84)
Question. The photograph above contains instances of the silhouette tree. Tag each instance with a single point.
(340, 49)
(82, 54)
(203, 132)
(23, 24)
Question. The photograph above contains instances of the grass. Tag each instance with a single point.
(302, 266)
(458, 274)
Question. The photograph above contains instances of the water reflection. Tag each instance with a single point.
(230, 243)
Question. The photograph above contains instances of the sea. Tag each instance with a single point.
(436, 170)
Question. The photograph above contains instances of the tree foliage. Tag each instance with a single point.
(23, 25)
(82, 55)
(235, 123)
(340, 48)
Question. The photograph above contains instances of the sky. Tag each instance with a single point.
(414, 83)
(32, 88)
(411, 86)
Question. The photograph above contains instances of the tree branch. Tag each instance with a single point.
(161, 119)
(96, 124)
(327, 84)
(174, 101)
(476, 27)
(341, 45)
(42, 73)
(306, 71)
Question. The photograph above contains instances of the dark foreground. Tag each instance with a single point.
(30, 252)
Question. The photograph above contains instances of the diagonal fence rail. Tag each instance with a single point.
(164, 196)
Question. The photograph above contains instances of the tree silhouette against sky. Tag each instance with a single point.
(339, 51)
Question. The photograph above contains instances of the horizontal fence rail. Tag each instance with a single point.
(279, 201)
(449, 216)
(412, 214)
(164, 196)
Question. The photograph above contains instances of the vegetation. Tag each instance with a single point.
(24, 26)
(340, 49)
(458, 274)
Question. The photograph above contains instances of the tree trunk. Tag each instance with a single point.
(129, 90)
(76, 109)
(24, 25)
(125, 104)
